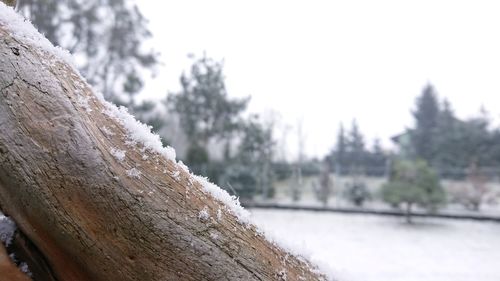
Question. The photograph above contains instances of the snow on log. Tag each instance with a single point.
(98, 195)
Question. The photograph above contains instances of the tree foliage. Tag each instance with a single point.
(253, 160)
(106, 37)
(203, 106)
(351, 156)
(413, 183)
(426, 115)
(448, 143)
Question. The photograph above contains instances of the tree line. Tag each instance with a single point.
(449, 144)
(213, 132)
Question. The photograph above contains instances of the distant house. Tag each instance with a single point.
(403, 144)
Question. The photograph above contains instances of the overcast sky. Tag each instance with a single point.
(327, 62)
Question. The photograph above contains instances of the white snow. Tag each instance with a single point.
(231, 202)
(22, 29)
(107, 131)
(219, 215)
(183, 167)
(176, 175)
(203, 215)
(134, 173)
(370, 248)
(25, 269)
(7, 230)
(118, 154)
(83, 102)
(214, 235)
(138, 132)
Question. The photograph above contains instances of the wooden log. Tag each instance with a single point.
(100, 207)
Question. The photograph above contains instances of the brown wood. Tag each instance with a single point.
(8, 270)
(76, 204)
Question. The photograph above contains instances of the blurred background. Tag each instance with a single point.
(364, 132)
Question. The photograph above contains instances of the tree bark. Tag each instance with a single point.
(8, 270)
(91, 221)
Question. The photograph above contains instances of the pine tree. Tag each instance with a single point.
(426, 116)
(339, 153)
(204, 108)
(356, 148)
(377, 159)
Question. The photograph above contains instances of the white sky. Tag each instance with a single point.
(332, 61)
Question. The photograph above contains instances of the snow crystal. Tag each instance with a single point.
(84, 103)
(183, 166)
(107, 131)
(203, 215)
(231, 202)
(118, 154)
(219, 215)
(25, 269)
(138, 132)
(134, 173)
(23, 30)
(176, 175)
(7, 229)
(281, 275)
(214, 235)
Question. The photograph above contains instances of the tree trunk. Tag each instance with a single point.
(86, 213)
(408, 213)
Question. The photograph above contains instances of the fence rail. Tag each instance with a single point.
(394, 213)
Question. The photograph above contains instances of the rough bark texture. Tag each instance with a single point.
(76, 204)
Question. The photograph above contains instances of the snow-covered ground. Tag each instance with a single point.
(372, 248)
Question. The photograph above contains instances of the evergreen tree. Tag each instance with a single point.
(426, 115)
(413, 183)
(448, 138)
(106, 36)
(356, 148)
(204, 108)
(339, 154)
(377, 159)
(255, 154)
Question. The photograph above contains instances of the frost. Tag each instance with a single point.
(23, 30)
(214, 236)
(107, 131)
(25, 269)
(281, 275)
(203, 215)
(183, 167)
(176, 175)
(138, 132)
(118, 154)
(134, 173)
(7, 230)
(83, 102)
(231, 202)
(145, 157)
(219, 215)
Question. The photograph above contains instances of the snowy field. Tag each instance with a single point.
(372, 248)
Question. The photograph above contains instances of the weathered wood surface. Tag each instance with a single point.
(75, 202)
